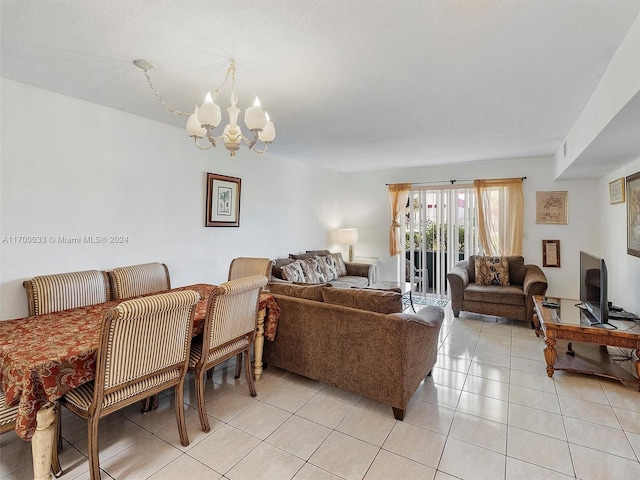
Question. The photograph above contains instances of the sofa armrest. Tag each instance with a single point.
(360, 269)
(535, 283)
(458, 278)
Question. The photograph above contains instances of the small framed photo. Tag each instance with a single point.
(551, 253)
(551, 208)
(616, 191)
(223, 201)
(633, 214)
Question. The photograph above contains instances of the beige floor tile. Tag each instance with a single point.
(480, 432)
(629, 420)
(492, 358)
(540, 450)
(438, 395)
(15, 454)
(464, 460)
(114, 437)
(485, 407)
(455, 364)
(344, 456)
(418, 444)
(304, 382)
(374, 406)
(588, 411)
(144, 458)
(584, 387)
(369, 426)
(299, 436)
(326, 411)
(459, 350)
(621, 395)
(528, 365)
(519, 470)
(338, 394)
(486, 387)
(530, 397)
(169, 433)
(288, 397)
(185, 463)
(491, 372)
(595, 465)
(227, 403)
(539, 381)
(430, 416)
(388, 465)
(266, 462)
(599, 437)
(634, 440)
(448, 377)
(260, 419)
(311, 472)
(224, 448)
(537, 421)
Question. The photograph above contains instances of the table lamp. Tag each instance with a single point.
(348, 236)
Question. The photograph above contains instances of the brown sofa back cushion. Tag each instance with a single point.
(517, 269)
(309, 292)
(363, 299)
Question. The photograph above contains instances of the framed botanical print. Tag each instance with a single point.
(223, 201)
(551, 207)
(633, 214)
(616, 191)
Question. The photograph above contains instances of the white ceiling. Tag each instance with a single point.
(350, 84)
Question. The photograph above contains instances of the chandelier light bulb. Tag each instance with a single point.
(256, 102)
(254, 117)
(194, 127)
(209, 113)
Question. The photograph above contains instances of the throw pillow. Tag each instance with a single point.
(364, 299)
(294, 272)
(341, 268)
(492, 271)
(328, 264)
(309, 292)
(313, 271)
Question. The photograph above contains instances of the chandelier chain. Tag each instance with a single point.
(160, 99)
(231, 70)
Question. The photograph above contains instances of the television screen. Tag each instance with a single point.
(593, 287)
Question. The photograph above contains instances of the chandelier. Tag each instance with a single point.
(206, 117)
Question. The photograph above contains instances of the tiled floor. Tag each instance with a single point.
(488, 412)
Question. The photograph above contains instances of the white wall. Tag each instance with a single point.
(623, 269)
(370, 212)
(72, 168)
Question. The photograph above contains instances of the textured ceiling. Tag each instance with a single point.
(351, 84)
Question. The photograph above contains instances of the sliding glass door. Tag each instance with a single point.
(440, 230)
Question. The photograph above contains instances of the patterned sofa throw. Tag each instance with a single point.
(492, 271)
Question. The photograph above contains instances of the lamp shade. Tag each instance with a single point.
(348, 236)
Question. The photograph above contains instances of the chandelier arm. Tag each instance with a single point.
(211, 144)
(162, 100)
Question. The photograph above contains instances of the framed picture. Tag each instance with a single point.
(223, 201)
(616, 191)
(633, 214)
(551, 207)
(551, 253)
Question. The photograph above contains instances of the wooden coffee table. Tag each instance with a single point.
(569, 323)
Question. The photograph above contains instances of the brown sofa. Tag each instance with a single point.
(358, 275)
(379, 355)
(512, 301)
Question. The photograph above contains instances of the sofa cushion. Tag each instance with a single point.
(319, 252)
(302, 256)
(350, 281)
(371, 300)
(294, 271)
(517, 269)
(314, 271)
(276, 269)
(328, 265)
(507, 295)
(341, 268)
(492, 271)
(308, 292)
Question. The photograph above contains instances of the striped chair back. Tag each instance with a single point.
(248, 266)
(232, 312)
(53, 293)
(144, 345)
(135, 280)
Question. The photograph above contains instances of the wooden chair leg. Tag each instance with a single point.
(182, 425)
(248, 373)
(57, 445)
(94, 459)
(239, 365)
(202, 413)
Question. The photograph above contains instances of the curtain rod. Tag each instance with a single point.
(450, 181)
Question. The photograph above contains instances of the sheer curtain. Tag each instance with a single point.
(500, 212)
(398, 196)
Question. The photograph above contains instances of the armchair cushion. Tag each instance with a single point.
(492, 271)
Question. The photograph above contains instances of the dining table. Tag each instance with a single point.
(43, 357)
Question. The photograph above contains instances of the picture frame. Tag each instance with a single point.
(616, 191)
(633, 214)
(223, 201)
(552, 208)
(551, 253)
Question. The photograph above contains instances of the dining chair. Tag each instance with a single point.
(135, 280)
(229, 329)
(61, 291)
(144, 349)
(8, 423)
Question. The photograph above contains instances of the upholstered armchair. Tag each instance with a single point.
(473, 288)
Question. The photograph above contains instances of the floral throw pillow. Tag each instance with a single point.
(341, 268)
(294, 272)
(328, 264)
(313, 271)
(492, 271)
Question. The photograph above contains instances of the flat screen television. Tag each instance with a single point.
(593, 288)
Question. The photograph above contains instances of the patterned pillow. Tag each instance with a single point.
(294, 272)
(313, 271)
(341, 268)
(328, 264)
(492, 271)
